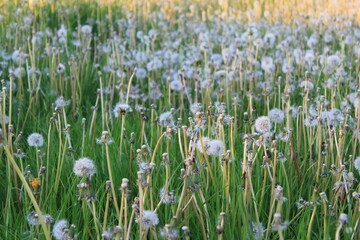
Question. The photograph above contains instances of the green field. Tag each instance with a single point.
(179, 119)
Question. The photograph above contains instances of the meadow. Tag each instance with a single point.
(179, 119)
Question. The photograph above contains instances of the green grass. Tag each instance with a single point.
(217, 196)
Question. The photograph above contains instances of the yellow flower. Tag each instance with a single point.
(35, 182)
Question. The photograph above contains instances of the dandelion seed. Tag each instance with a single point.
(86, 29)
(176, 85)
(34, 220)
(59, 229)
(140, 73)
(60, 68)
(333, 61)
(121, 108)
(108, 235)
(196, 107)
(169, 232)
(306, 85)
(343, 218)
(169, 198)
(258, 230)
(267, 64)
(216, 148)
(61, 102)
(357, 164)
(35, 140)
(211, 147)
(262, 124)
(149, 219)
(276, 115)
(84, 167)
(166, 119)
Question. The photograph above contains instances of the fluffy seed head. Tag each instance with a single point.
(166, 119)
(59, 229)
(276, 115)
(84, 167)
(263, 124)
(35, 140)
(149, 219)
(357, 164)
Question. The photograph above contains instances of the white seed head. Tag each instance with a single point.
(84, 167)
(35, 140)
(263, 124)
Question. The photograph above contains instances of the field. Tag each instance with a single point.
(179, 119)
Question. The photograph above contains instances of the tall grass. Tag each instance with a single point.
(179, 120)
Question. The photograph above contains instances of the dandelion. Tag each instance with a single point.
(306, 85)
(333, 61)
(278, 224)
(59, 229)
(262, 124)
(357, 164)
(176, 85)
(121, 108)
(211, 147)
(258, 230)
(61, 102)
(216, 148)
(343, 219)
(34, 220)
(86, 29)
(166, 119)
(276, 115)
(267, 64)
(169, 198)
(169, 232)
(84, 167)
(149, 219)
(140, 73)
(196, 107)
(35, 140)
(108, 235)
(60, 68)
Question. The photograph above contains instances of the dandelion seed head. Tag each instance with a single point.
(60, 102)
(84, 167)
(121, 108)
(166, 119)
(343, 218)
(258, 230)
(276, 115)
(263, 124)
(169, 232)
(108, 235)
(357, 164)
(86, 29)
(59, 229)
(267, 64)
(149, 219)
(176, 85)
(35, 140)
